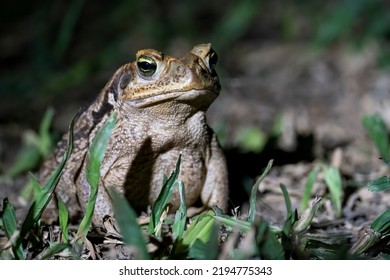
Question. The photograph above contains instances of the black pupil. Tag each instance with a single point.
(213, 59)
(146, 65)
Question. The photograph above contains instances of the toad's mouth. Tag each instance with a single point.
(205, 95)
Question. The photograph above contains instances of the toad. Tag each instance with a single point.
(160, 102)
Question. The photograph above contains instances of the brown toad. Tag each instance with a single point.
(160, 101)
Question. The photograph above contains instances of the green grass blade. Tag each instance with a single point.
(377, 131)
(181, 214)
(165, 179)
(380, 227)
(26, 159)
(365, 242)
(382, 223)
(200, 229)
(306, 218)
(36, 209)
(55, 248)
(8, 218)
(63, 218)
(97, 150)
(128, 226)
(232, 222)
(268, 245)
(45, 141)
(333, 181)
(201, 250)
(43, 198)
(291, 214)
(95, 156)
(35, 186)
(228, 221)
(287, 199)
(163, 198)
(253, 198)
(379, 185)
(308, 187)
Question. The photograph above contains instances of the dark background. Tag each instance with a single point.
(58, 52)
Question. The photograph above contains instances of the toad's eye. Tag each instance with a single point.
(146, 65)
(213, 59)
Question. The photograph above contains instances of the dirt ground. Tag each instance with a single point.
(321, 98)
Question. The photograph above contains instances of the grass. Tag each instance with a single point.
(244, 236)
(95, 156)
(128, 226)
(380, 227)
(333, 180)
(43, 195)
(311, 178)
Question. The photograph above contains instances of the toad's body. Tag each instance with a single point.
(160, 103)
